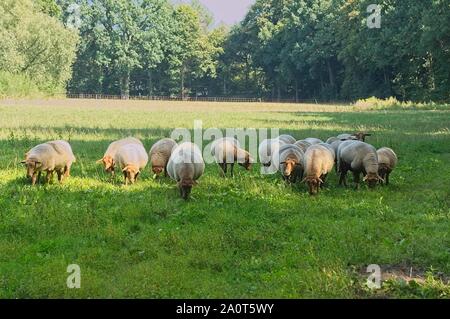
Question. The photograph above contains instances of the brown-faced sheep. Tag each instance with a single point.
(358, 157)
(226, 151)
(186, 166)
(387, 161)
(160, 154)
(108, 159)
(132, 159)
(291, 161)
(318, 164)
(50, 157)
(360, 136)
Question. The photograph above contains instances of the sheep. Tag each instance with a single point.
(360, 136)
(332, 139)
(227, 151)
(186, 166)
(328, 146)
(313, 140)
(318, 163)
(290, 163)
(132, 159)
(287, 139)
(387, 161)
(50, 157)
(108, 159)
(266, 149)
(303, 145)
(358, 157)
(159, 155)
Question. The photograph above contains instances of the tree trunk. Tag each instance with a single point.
(150, 83)
(125, 85)
(296, 90)
(182, 82)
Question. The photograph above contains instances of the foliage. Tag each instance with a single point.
(250, 236)
(35, 45)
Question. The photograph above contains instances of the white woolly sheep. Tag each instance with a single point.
(159, 155)
(186, 166)
(358, 157)
(287, 139)
(313, 140)
(132, 159)
(303, 145)
(265, 151)
(318, 164)
(226, 151)
(50, 157)
(108, 159)
(290, 163)
(387, 161)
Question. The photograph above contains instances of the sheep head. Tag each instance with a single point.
(372, 179)
(131, 172)
(247, 163)
(157, 169)
(289, 166)
(185, 187)
(32, 166)
(361, 136)
(313, 184)
(108, 163)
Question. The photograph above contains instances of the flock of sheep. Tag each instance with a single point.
(309, 160)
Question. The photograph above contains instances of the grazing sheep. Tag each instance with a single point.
(358, 157)
(108, 159)
(287, 139)
(330, 148)
(186, 166)
(359, 136)
(312, 140)
(266, 149)
(387, 161)
(160, 153)
(331, 140)
(290, 163)
(50, 157)
(227, 151)
(303, 145)
(318, 164)
(132, 159)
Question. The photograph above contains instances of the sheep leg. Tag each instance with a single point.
(33, 179)
(67, 171)
(356, 179)
(232, 169)
(49, 177)
(387, 178)
(342, 179)
(125, 178)
(60, 175)
(324, 179)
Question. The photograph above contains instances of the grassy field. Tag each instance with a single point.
(250, 236)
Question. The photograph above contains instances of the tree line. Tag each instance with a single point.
(283, 49)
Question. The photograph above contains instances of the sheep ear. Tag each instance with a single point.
(381, 179)
(320, 180)
(125, 169)
(100, 161)
(23, 162)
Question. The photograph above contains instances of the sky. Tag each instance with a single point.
(228, 12)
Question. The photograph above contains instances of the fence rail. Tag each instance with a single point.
(194, 99)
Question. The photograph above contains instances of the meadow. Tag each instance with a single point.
(250, 236)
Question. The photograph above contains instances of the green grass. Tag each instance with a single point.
(250, 236)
